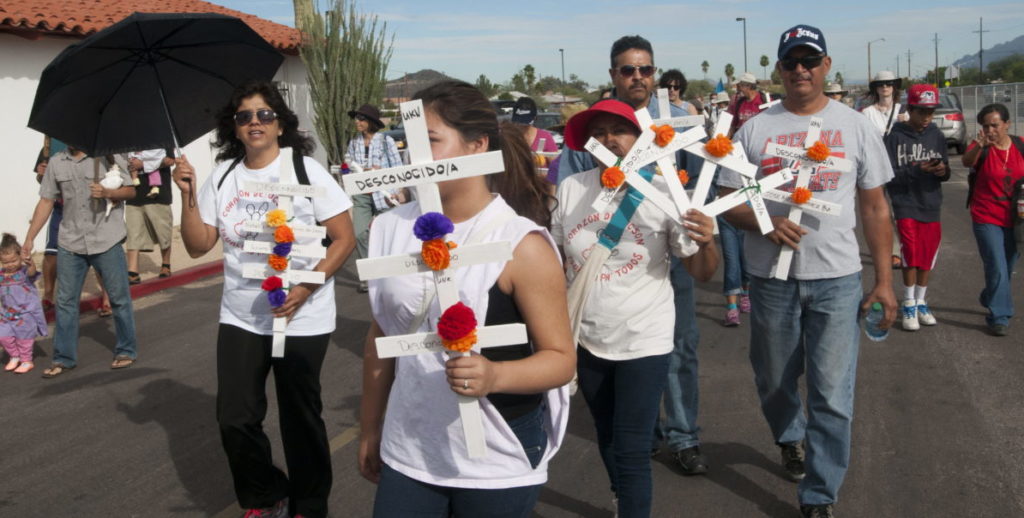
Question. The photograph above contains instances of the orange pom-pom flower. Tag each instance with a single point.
(435, 254)
(612, 177)
(284, 234)
(800, 195)
(277, 262)
(684, 177)
(819, 152)
(276, 218)
(663, 134)
(457, 328)
(719, 146)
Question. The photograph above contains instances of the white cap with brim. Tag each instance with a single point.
(748, 78)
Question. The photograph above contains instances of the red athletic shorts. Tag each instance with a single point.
(920, 242)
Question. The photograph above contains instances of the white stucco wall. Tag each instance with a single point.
(21, 63)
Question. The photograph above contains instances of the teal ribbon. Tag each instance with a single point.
(611, 234)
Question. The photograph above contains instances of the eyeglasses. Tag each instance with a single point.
(673, 86)
(265, 116)
(360, 117)
(808, 62)
(629, 70)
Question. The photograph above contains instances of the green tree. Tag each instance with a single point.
(518, 83)
(776, 78)
(346, 56)
(530, 76)
(1009, 69)
(698, 88)
(704, 66)
(505, 96)
(486, 86)
(729, 70)
(764, 65)
(839, 78)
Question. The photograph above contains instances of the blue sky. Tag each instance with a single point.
(467, 38)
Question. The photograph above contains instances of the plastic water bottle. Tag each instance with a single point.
(871, 321)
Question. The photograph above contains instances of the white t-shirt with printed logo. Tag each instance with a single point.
(829, 249)
(630, 312)
(244, 303)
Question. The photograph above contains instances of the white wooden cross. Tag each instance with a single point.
(753, 192)
(423, 172)
(769, 102)
(285, 189)
(806, 169)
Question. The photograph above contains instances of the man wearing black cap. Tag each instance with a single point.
(808, 323)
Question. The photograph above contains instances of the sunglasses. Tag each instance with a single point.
(361, 118)
(629, 70)
(673, 86)
(265, 116)
(886, 83)
(808, 62)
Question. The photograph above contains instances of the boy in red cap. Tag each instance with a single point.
(917, 150)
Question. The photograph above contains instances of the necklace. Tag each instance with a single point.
(1005, 158)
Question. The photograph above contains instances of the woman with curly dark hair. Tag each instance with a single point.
(675, 82)
(258, 137)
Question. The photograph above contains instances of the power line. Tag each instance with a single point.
(981, 53)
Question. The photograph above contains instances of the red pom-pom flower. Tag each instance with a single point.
(457, 327)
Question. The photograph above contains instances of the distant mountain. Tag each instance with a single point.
(405, 86)
(1000, 51)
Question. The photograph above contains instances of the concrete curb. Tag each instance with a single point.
(154, 285)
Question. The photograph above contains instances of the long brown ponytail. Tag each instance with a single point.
(464, 108)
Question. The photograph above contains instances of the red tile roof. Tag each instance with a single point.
(80, 18)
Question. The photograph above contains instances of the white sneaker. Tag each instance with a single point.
(910, 322)
(924, 315)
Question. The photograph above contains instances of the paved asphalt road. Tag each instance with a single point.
(937, 430)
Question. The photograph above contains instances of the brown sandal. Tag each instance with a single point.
(105, 311)
(55, 370)
(122, 361)
(165, 271)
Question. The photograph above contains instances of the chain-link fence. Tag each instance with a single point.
(974, 98)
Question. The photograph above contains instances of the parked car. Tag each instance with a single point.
(949, 117)
(397, 133)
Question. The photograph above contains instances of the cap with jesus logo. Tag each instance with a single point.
(801, 35)
(923, 95)
(525, 111)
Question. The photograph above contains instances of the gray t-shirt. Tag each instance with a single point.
(829, 249)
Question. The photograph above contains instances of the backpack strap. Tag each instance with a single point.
(234, 163)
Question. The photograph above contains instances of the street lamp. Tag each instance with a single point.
(869, 56)
(744, 20)
(562, 52)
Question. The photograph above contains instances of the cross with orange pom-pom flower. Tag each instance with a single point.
(287, 241)
(815, 156)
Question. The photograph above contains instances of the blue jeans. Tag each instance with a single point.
(71, 270)
(734, 275)
(808, 326)
(679, 428)
(623, 397)
(998, 251)
(400, 496)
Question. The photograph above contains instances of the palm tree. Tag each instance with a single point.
(729, 70)
(704, 67)
(764, 64)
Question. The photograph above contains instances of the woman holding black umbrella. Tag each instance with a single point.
(251, 132)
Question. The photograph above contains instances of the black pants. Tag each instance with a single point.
(243, 362)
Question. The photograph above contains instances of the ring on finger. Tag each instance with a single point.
(465, 384)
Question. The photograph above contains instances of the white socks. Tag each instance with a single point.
(914, 294)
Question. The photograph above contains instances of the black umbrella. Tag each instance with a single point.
(149, 81)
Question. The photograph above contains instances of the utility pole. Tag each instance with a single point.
(898, 66)
(909, 74)
(938, 82)
(981, 50)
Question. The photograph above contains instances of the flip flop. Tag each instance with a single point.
(55, 370)
(165, 271)
(24, 367)
(105, 311)
(134, 278)
(122, 362)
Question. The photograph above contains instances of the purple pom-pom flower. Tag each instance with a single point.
(283, 249)
(432, 225)
(277, 297)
